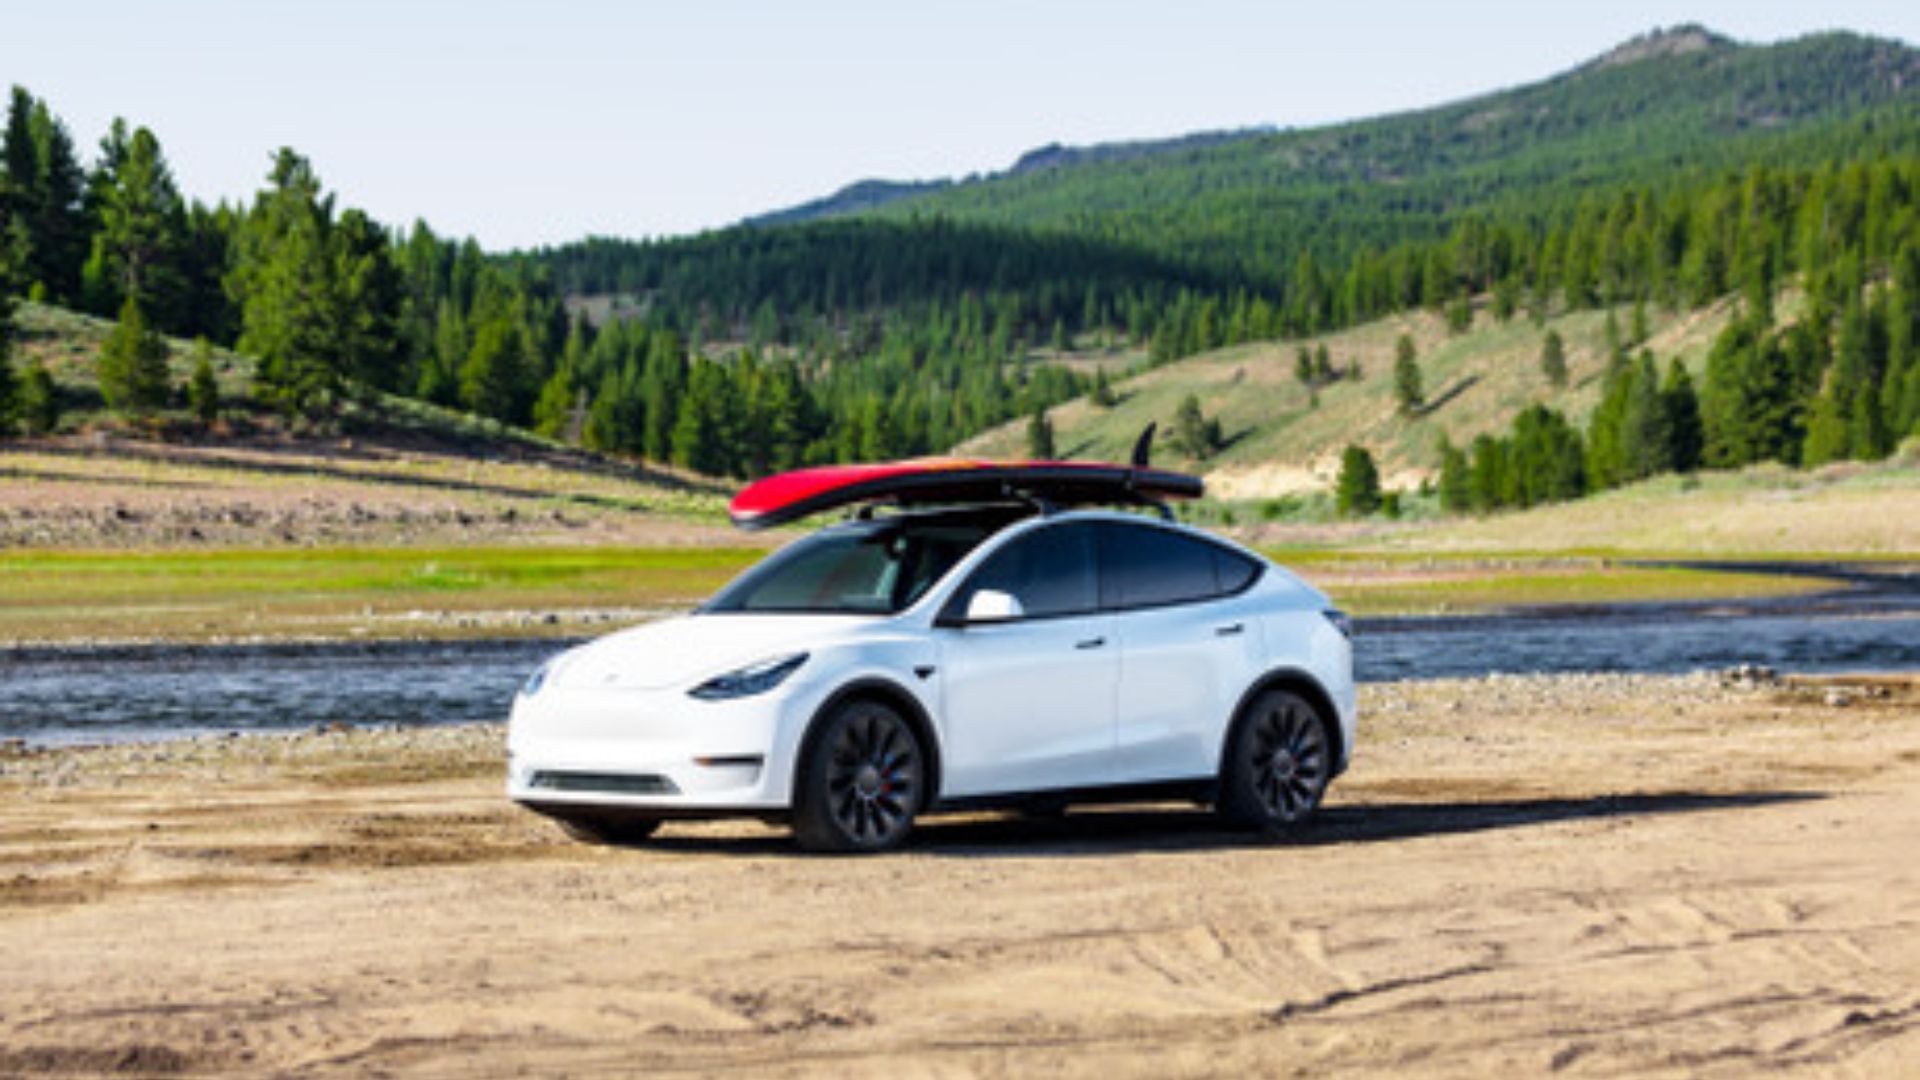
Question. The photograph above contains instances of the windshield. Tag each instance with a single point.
(869, 569)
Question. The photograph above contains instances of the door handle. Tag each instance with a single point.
(1228, 630)
(1090, 643)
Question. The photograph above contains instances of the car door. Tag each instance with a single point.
(1028, 701)
(1188, 647)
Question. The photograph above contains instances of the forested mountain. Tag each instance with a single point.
(1674, 172)
(1675, 102)
(1289, 218)
(852, 199)
(866, 195)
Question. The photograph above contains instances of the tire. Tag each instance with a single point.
(1278, 763)
(862, 778)
(612, 832)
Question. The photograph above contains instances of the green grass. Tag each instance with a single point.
(1465, 590)
(50, 596)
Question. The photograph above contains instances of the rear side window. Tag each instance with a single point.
(1144, 566)
(1050, 571)
(1232, 570)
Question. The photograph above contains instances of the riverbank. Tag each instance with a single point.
(256, 596)
(1519, 874)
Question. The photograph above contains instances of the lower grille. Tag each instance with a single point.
(607, 783)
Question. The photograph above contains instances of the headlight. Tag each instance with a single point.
(1340, 622)
(750, 680)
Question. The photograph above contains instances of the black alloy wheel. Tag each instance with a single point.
(861, 782)
(1278, 763)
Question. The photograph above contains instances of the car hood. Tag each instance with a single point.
(681, 650)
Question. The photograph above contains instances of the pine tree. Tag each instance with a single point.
(1197, 435)
(879, 433)
(1487, 474)
(553, 412)
(786, 412)
(133, 364)
(1749, 406)
(1356, 491)
(662, 385)
(1645, 436)
(1544, 461)
(490, 380)
(10, 393)
(368, 295)
(283, 281)
(11, 390)
(439, 380)
(702, 433)
(1102, 394)
(1685, 434)
(1407, 389)
(1460, 316)
(203, 391)
(137, 249)
(42, 194)
(1608, 456)
(1303, 367)
(1553, 359)
(1040, 437)
(39, 400)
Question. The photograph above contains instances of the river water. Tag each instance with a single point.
(68, 696)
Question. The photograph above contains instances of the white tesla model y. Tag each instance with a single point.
(989, 641)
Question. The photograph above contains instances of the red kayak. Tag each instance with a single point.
(790, 496)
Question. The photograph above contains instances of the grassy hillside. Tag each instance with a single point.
(384, 471)
(1281, 441)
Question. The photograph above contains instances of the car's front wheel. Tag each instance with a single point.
(861, 781)
(1279, 760)
(610, 831)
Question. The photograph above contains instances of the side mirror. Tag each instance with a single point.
(992, 605)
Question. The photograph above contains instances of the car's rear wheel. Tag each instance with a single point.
(861, 781)
(1279, 760)
(610, 831)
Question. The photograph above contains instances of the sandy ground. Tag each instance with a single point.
(1588, 875)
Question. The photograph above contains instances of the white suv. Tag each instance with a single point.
(991, 655)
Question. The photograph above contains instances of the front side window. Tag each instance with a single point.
(1050, 571)
(870, 569)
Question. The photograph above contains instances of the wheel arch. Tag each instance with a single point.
(894, 696)
(1308, 687)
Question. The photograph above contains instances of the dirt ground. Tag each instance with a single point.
(1587, 875)
(107, 492)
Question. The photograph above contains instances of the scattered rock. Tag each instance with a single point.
(1749, 675)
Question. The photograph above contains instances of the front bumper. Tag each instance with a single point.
(658, 749)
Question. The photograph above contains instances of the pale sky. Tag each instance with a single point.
(543, 122)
